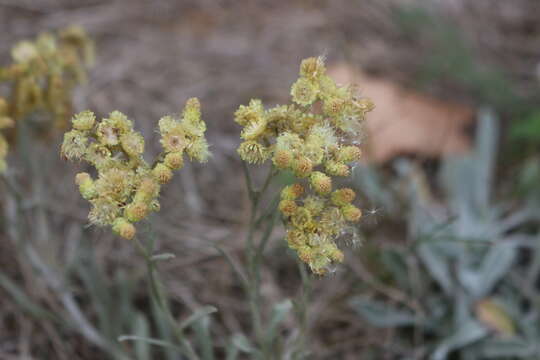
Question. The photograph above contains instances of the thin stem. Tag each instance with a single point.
(254, 253)
(162, 304)
(302, 307)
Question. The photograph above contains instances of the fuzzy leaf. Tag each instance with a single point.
(468, 333)
(381, 314)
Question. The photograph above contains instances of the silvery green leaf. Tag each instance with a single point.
(151, 341)
(243, 343)
(509, 348)
(495, 265)
(279, 311)
(468, 333)
(437, 266)
(486, 151)
(142, 330)
(198, 314)
(204, 338)
(164, 256)
(381, 314)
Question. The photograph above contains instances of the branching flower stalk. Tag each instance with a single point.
(41, 80)
(311, 139)
(126, 188)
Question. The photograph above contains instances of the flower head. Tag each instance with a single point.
(309, 139)
(127, 188)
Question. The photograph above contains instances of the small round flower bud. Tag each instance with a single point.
(312, 67)
(287, 207)
(334, 106)
(365, 105)
(86, 185)
(314, 204)
(336, 168)
(253, 152)
(296, 238)
(198, 150)
(123, 228)
(147, 190)
(107, 134)
(136, 211)
(302, 167)
(304, 92)
(301, 218)
(342, 197)
(84, 120)
(321, 183)
(282, 159)
(74, 145)
(248, 114)
(162, 173)
(174, 140)
(306, 254)
(349, 153)
(254, 129)
(192, 111)
(132, 143)
(292, 192)
(174, 160)
(351, 213)
(333, 253)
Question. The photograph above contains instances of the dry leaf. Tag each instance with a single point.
(407, 122)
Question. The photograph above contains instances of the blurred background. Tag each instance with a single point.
(447, 261)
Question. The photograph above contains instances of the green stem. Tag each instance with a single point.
(160, 301)
(254, 253)
(302, 306)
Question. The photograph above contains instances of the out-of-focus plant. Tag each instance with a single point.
(472, 297)
(41, 80)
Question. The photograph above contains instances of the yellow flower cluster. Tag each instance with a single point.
(309, 138)
(42, 77)
(127, 188)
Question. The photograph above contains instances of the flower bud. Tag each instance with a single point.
(162, 173)
(349, 153)
(312, 67)
(132, 143)
(336, 168)
(136, 211)
(302, 167)
(292, 192)
(84, 120)
(296, 238)
(351, 213)
(287, 207)
(86, 185)
(282, 159)
(253, 152)
(321, 183)
(198, 150)
(174, 160)
(304, 92)
(342, 197)
(123, 228)
(74, 145)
